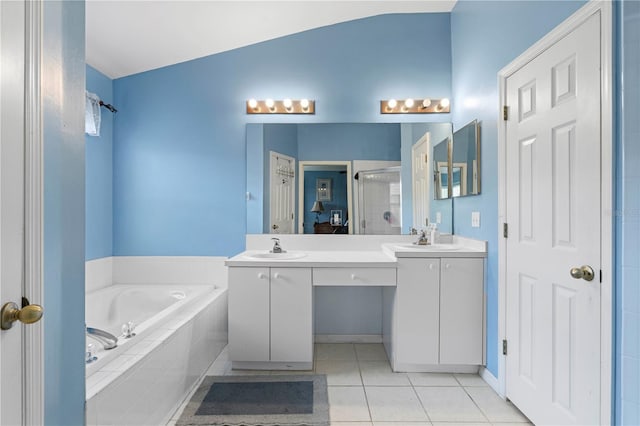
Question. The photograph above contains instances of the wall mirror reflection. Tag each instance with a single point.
(380, 178)
(441, 167)
(465, 160)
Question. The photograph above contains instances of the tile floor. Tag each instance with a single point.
(363, 391)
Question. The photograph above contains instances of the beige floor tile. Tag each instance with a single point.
(351, 424)
(348, 403)
(402, 424)
(432, 379)
(340, 373)
(393, 404)
(379, 373)
(459, 424)
(470, 380)
(335, 351)
(231, 372)
(370, 352)
(449, 404)
(495, 408)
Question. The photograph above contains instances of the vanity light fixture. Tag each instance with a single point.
(415, 106)
(286, 106)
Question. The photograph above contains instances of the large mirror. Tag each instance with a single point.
(362, 178)
(465, 158)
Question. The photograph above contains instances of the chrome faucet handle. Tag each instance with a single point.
(413, 231)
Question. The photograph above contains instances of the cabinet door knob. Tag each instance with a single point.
(262, 275)
(353, 276)
(276, 275)
(431, 266)
(447, 266)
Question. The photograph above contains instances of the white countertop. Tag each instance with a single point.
(385, 257)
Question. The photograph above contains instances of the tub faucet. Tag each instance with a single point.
(276, 246)
(108, 340)
(422, 240)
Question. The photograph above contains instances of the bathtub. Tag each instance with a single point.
(179, 331)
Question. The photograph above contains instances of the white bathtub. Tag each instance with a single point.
(180, 330)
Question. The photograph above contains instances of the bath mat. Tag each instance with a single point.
(259, 400)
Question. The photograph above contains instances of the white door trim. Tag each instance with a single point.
(33, 348)
(606, 111)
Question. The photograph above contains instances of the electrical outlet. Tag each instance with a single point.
(438, 217)
(475, 219)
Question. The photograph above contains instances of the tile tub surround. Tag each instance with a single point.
(416, 399)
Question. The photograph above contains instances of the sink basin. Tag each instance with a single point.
(275, 256)
(431, 247)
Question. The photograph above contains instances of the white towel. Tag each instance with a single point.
(92, 114)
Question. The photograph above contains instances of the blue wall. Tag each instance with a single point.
(179, 142)
(98, 174)
(64, 207)
(627, 400)
(485, 37)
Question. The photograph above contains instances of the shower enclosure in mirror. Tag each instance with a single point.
(365, 147)
(465, 159)
(379, 201)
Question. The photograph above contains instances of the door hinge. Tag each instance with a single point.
(505, 230)
(291, 216)
(505, 113)
(504, 347)
(600, 275)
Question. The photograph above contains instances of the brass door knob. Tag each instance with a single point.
(585, 272)
(10, 313)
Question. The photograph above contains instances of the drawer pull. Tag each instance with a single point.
(261, 275)
(447, 266)
(354, 277)
(276, 275)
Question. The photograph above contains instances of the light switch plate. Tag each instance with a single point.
(438, 217)
(475, 219)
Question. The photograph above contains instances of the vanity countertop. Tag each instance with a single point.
(385, 257)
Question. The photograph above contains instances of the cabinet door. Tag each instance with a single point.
(248, 314)
(461, 311)
(291, 315)
(417, 310)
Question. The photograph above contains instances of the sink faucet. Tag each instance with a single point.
(276, 246)
(422, 240)
(413, 231)
(108, 340)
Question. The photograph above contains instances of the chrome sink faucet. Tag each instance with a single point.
(422, 239)
(276, 246)
(108, 340)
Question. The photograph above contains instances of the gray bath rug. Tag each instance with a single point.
(259, 401)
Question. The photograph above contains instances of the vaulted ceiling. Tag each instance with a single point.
(132, 36)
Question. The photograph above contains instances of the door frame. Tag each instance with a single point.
(606, 191)
(33, 337)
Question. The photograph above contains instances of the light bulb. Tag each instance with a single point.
(253, 103)
(392, 103)
(426, 103)
(287, 103)
(444, 103)
(269, 103)
(304, 103)
(408, 103)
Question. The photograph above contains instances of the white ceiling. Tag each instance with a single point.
(132, 36)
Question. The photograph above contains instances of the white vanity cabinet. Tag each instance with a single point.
(270, 317)
(438, 309)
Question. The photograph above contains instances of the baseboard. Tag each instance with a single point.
(491, 380)
(348, 338)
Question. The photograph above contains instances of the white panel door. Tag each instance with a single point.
(249, 314)
(418, 311)
(12, 51)
(291, 315)
(553, 198)
(420, 181)
(461, 311)
(282, 192)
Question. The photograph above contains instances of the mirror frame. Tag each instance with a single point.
(301, 165)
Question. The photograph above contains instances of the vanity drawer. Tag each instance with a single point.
(354, 276)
